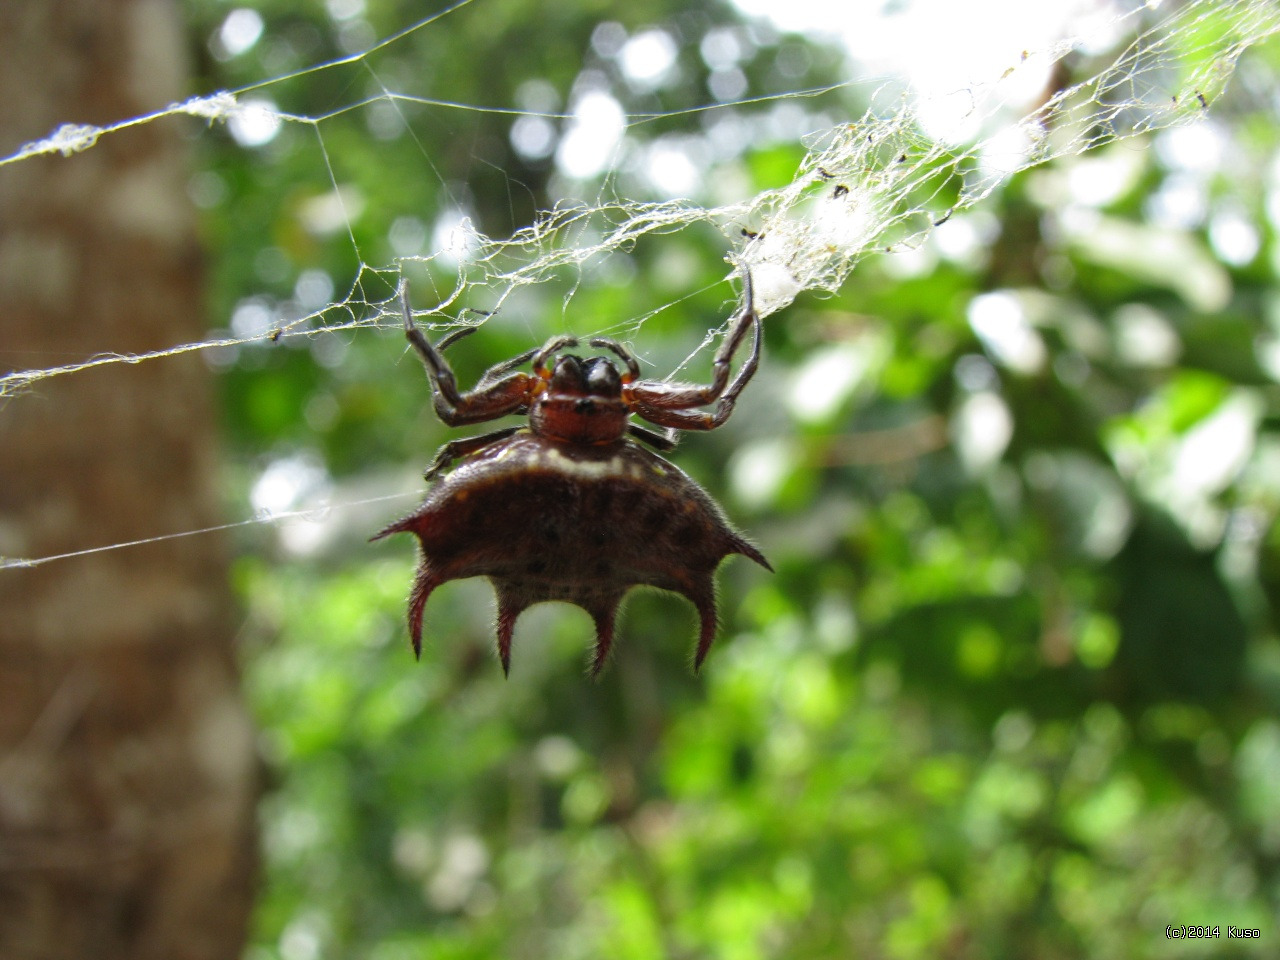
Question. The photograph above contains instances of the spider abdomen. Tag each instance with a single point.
(546, 520)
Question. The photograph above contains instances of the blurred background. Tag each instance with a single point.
(1014, 452)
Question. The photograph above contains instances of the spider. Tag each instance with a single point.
(570, 506)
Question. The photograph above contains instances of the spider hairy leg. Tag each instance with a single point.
(454, 449)
(664, 441)
(488, 401)
(669, 405)
(627, 357)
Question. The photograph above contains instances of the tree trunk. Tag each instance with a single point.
(127, 770)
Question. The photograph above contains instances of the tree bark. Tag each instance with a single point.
(127, 768)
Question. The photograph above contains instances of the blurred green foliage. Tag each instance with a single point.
(1013, 691)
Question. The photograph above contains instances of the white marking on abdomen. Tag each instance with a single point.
(594, 469)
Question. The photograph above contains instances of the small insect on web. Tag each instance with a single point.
(571, 507)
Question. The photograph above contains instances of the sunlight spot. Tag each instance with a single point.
(670, 169)
(960, 60)
(384, 120)
(758, 471)
(238, 33)
(413, 850)
(1273, 194)
(966, 239)
(981, 429)
(454, 236)
(1104, 177)
(974, 372)
(303, 938)
(1171, 258)
(254, 122)
(648, 59)
(835, 624)
(252, 318)
(909, 262)
(1001, 324)
(407, 236)
(727, 85)
(1234, 238)
(537, 96)
(1181, 202)
(464, 860)
(593, 136)
(1196, 148)
(829, 378)
(533, 137)
(608, 37)
(1215, 449)
(1006, 153)
(722, 48)
(207, 189)
(333, 211)
(313, 289)
(557, 757)
(1144, 338)
(799, 16)
(342, 10)
(283, 484)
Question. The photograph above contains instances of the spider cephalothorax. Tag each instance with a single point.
(570, 507)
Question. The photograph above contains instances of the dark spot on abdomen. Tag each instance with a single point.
(625, 500)
(603, 502)
(688, 533)
(656, 519)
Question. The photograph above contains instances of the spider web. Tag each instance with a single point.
(884, 183)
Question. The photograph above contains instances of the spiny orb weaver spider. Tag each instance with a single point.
(570, 507)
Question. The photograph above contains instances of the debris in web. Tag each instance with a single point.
(877, 184)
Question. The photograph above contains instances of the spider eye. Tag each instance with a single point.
(602, 378)
(568, 374)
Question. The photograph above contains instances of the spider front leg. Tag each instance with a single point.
(665, 441)
(454, 449)
(488, 401)
(670, 405)
(498, 369)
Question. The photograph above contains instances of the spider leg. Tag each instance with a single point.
(664, 441)
(665, 404)
(506, 366)
(678, 417)
(449, 339)
(487, 402)
(492, 374)
(627, 357)
(543, 353)
(460, 448)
